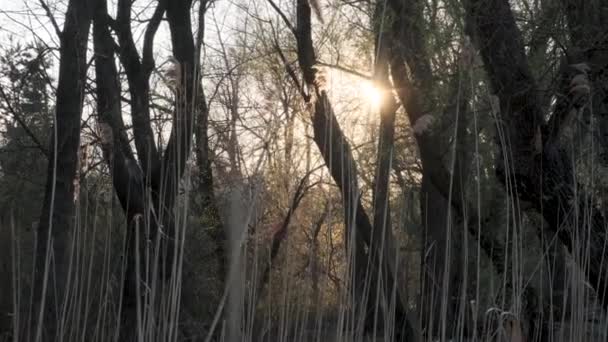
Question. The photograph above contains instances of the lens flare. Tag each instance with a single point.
(372, 94)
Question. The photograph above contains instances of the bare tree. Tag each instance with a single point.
(57, 216)
(377, 269)
(533, 162)
(148, 189)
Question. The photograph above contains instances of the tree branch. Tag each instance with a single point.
(283, 16)
(541, 172)
(49, 14)
(138, 79)
(148, 58)
(346, 70)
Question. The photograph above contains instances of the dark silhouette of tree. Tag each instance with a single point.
(533, 161)
(57, 214)
(148, 188)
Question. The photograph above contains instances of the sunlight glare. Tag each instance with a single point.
(372, 94)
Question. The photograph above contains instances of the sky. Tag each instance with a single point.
(25, 20)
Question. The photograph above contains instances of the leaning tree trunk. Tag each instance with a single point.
(536, 165)
(338, 157)
(442, 238)
(416, 93)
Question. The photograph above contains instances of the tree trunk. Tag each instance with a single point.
(338, 157)
(57, 215)
(437, 245)
(535, 163)
(440, 184)
(149, 197)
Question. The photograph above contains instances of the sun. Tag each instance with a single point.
(372, 95)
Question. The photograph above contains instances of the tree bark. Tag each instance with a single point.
(127, 178)
(138, 70)
(382, 241)
(148, 194)
(535, 164)
(57, 215)
(208, 205)
(440, 184)
(338, 157)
